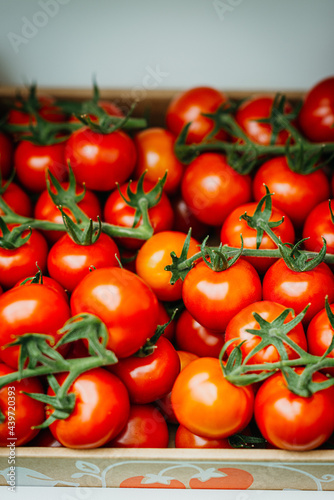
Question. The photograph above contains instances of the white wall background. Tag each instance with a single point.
(240, 44)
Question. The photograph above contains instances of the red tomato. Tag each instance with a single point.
(96, 419)
(124, 302)
(187, 439)
(184, 220)
(108, 107)
(47, 110)
(213, 298)
(32, 162)
(253, 109)
(21, 412)
(6, 155)
(165, 403)
(189, 106)
(244, 320)
(17, 200)
(212, 189)
(319, 225)
(195, 338)
(297, 289)
(155, 147)
(50, 282)
(163, 318)
(30, 309)
(100, 160)
(320, 335)
(233, 226)
(154, 256)
(146, 428)
(118, 213)
(45, 209)
(295, 194)
(229, 479)
(292, 422)
(316, 118)
(151, 481)
(207, 404)
(151, 377)
(69, 262)
(20, 262)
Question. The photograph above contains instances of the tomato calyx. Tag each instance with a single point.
(181, 265)
(150, 345)
(260, 219)
(300, 261)
(11, 240)
(33, 280)
(219, 259)
(38, 357)
(83, 234)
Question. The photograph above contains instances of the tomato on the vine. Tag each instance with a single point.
(119, 213)
(47, 110)
(100, 413)
(155, 147)
(316, 117)
(318, 225)
(154, 256)
(214, 297)
(45, 209)
(32, 161)
(100, 160)
(124, 302)
(244, 320)
(211, 188)
(320, 335)
(21, 412)
(17, 199)
(295, 194)
(234, 226)
(189, 106)
(69, 262)
(30, 309)
(207, 404)
(298, 289)
(150, 377)
(290, 421)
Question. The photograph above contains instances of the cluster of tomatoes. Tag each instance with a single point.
(170, 374)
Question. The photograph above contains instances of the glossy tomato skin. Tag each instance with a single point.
(151, 377)
(6, 155)
(96, 419)
(212, 189)
(45, 209)
(292, 422)
(192, 337)
(155, 147)
(30, 309)
(320, 335)
(244, 320)
(69, 262)
(295, 194)
(189, 107)
(20, 262)
(32, 162)
(316, 117)
(213, 298)
(50, 282)
(17, 200)
(146, 428)
(255, 108)
(233, 227)
(100, 160)
(154, 256)
(184, 220)
(27, 412)
(319, 225)
(187, 439)
(124, 302)
(207, 404)
(117, 212)
(297, 289)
